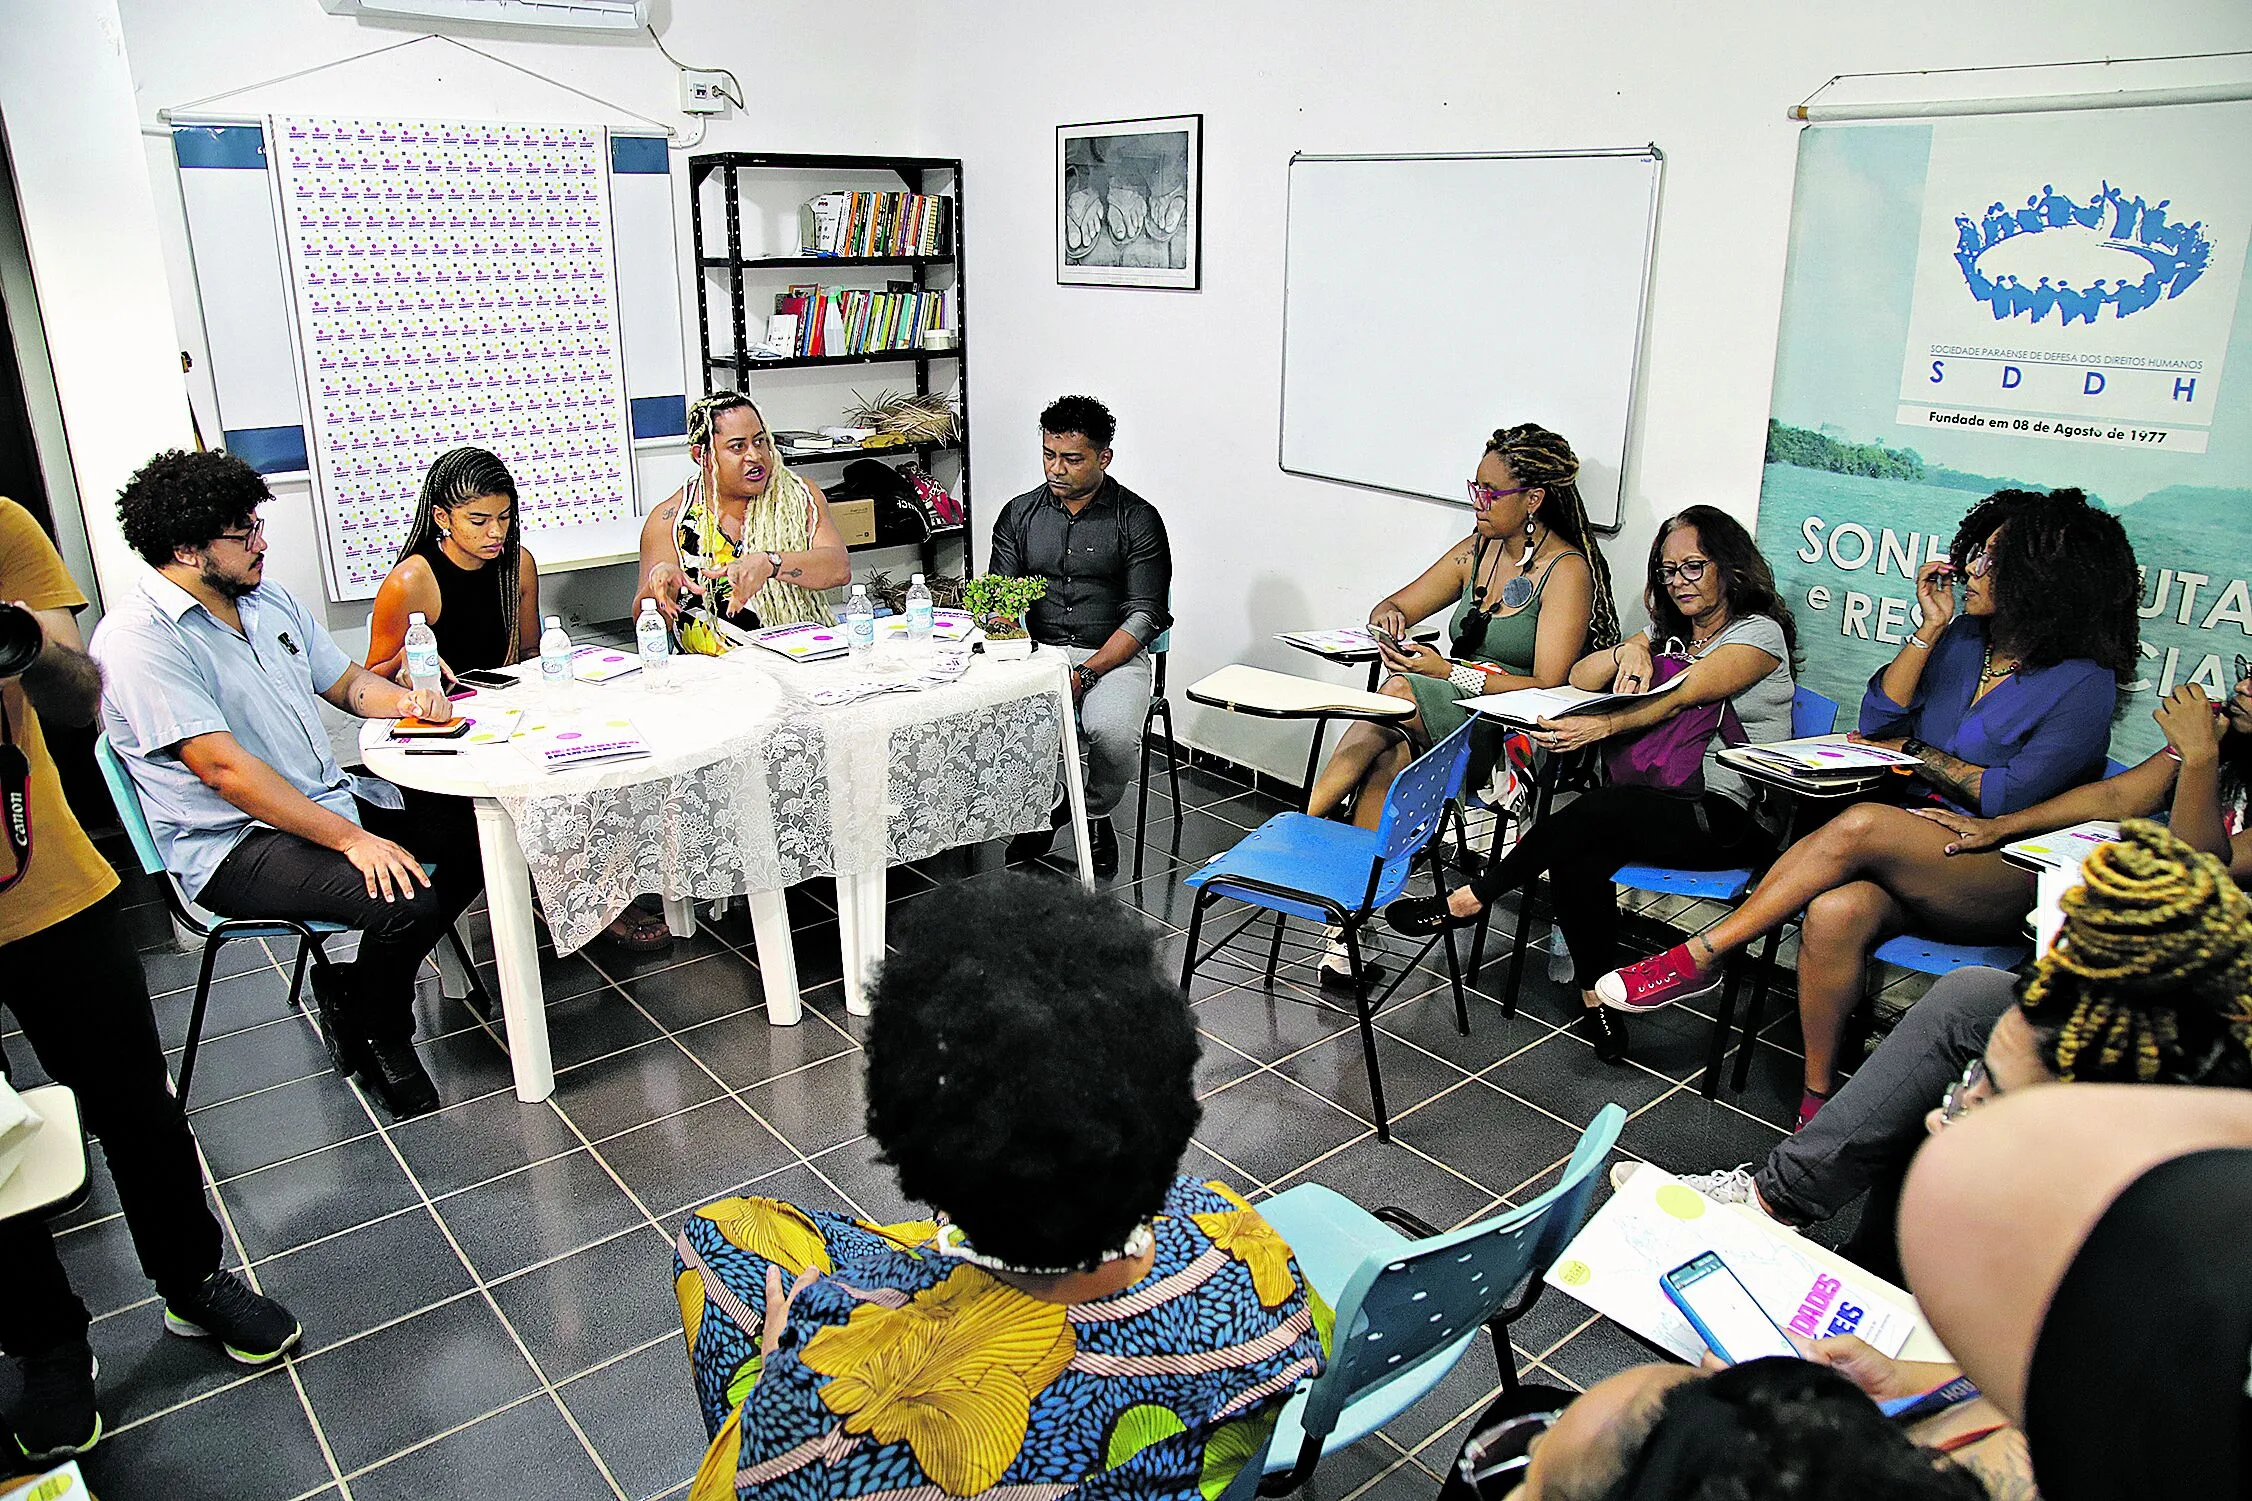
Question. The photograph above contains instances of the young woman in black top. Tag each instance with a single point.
(464, 569)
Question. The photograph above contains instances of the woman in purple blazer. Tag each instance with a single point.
(2005, 703)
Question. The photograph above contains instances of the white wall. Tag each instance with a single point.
(1194, 377)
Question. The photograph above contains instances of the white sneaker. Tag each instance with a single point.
(1728, 1186)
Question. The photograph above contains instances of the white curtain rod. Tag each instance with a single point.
(2208, 93)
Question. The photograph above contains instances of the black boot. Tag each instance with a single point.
(1607, 1030)
(1102, 843)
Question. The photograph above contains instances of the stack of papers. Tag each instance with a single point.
(599, 664)
(1657, 1222)
(1825, 757)
(563, 743)
(1531, 705)
(1351, 641)
(947, 664)
(803, 643)
(486, 727)
(2065, 849)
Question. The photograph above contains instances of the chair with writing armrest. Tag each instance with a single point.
(1294, 865)
(217, 932)
(1409, 1299)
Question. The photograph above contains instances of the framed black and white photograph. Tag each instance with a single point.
(1130, 203)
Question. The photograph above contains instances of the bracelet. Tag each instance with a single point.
(1919, 643)
(1468, 679)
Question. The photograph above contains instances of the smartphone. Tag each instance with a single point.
(1384, 637)
(422, 729)
(485, 677)
(1733, 1326)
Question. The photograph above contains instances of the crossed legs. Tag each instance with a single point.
(1363, 765)
(1867, 874)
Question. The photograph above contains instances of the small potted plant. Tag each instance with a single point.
(998, 604)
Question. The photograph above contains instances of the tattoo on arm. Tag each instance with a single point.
(2004, 1464)
(1956, 777)
(793, 573)
(356, 695)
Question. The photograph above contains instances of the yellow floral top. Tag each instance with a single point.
(908, 1373)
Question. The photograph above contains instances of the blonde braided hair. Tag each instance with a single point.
(2151, 977)
(1536, 456)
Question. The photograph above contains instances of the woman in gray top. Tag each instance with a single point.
(1712, 600)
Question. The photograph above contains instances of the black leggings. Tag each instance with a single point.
(1583, 843)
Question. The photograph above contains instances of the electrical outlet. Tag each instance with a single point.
(702, 93)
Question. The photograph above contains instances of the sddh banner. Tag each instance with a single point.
(2034, 301)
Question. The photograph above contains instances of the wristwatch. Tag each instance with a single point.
(1086, 677)
(1914, 747)
(774, 561)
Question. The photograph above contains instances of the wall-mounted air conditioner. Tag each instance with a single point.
(567, 15)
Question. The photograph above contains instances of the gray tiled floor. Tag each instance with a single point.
(486, 1292)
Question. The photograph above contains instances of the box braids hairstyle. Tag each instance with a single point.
(1536, 456)
(456, 477)
(2151, 979)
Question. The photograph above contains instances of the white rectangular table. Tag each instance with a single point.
(749, 789)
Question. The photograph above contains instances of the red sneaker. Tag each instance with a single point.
(1657, 981)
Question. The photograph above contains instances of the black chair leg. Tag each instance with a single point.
(297, 973)
(211, 947)
(1454, 977)
(1196, 929)
(1486, 913)
(1368, 1030)
(1756, 1015)
(479, 999)
(1141, 797)
(1716, 1052)
(1274, 951)
(1172, 762)
(1517, 945)
(1505, 1357)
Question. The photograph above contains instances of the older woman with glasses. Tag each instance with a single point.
(1530, 597)
(1715, 615)
(2003, 703)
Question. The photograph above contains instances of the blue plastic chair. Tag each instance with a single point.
(1294, 865)
(217, 932)
(1407, 1309)
(1916, 952)
(1160, 707)
(1811, 714)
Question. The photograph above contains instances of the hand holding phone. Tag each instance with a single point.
(1722, 1310)
(1384, 638)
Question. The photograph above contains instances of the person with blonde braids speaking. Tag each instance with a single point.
(2150, 982)
(745, 539)
(1531, 596)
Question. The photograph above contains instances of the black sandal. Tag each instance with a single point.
(1426, 916)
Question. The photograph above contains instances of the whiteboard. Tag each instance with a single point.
(230, 191)
(1428, 300)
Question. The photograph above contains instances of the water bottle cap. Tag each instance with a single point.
(554, 622)
(858, 590)
(414, 617)
(918, 578)
(648, 607)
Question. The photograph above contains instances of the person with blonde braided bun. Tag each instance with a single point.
(1532, 595)
(745, 540)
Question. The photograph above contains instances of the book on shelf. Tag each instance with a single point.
(821, 321)
(876, 224)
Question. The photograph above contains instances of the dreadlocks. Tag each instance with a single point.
(2063, 576)
(1536, 456)
(459, 476)
(2151, 979)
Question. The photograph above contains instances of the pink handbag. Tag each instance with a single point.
(1670, 756)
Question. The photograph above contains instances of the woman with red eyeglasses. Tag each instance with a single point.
(2004, 702)
(1530, 596)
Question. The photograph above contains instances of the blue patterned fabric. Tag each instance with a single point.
(905, 1371)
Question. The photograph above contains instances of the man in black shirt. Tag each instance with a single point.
(1103, 551)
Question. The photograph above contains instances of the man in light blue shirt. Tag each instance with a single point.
(210, 677)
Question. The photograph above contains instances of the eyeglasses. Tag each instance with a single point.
(248, 539)
(1979, 564)
(1494, 1463)
(2243, 668)
(1975, 1087)
(1688, 570)
(1483, 496)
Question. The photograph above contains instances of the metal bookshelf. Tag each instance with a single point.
(734, 281)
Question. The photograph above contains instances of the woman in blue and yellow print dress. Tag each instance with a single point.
(1079, 1319)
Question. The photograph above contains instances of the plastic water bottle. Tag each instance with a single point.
(921, 617)
(860, 623)
(656, 645)
(1559, 957)
(555, 656)
(423, 672)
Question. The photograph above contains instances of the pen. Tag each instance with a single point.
(431, 750)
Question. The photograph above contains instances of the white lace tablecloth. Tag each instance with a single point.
(751, 787)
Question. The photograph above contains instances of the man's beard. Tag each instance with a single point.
(226, 588)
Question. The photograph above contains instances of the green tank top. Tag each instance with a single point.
(1510, 639)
